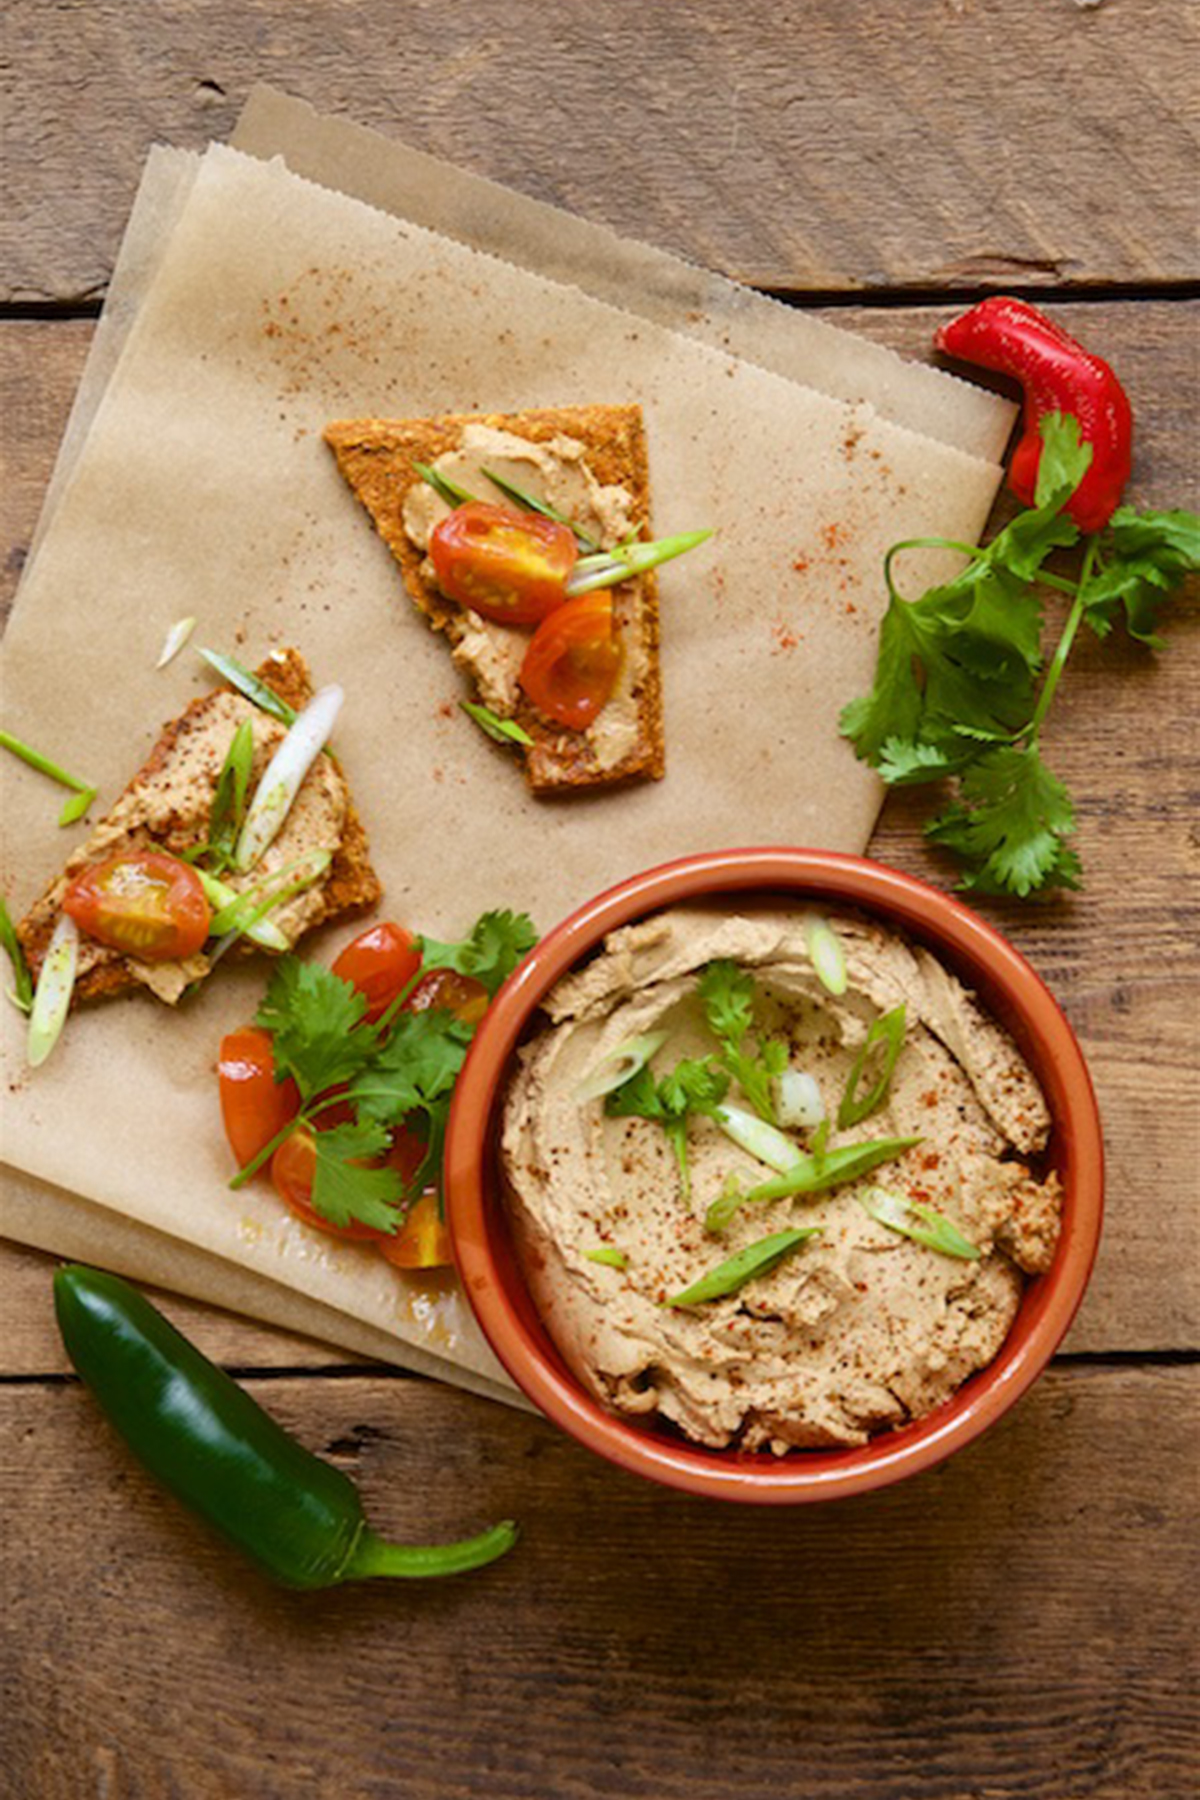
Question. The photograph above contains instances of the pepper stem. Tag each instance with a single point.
(373, 1555)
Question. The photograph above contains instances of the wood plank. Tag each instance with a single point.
(1123, 958)
(1007, 1625)
(826, 148)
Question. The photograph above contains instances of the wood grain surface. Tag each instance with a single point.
(789, 143)
(1019, 1622)
(1007, 1627)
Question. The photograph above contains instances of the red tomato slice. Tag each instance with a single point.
(379, 963)
(422, 1242)
(254, 1106)
(143, 903)
(510, 566)
(571, 665)
(292, 1169)
(448, 991)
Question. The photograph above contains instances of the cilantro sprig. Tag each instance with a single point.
(961, 685)
(729, 996)
(694, 1085)
(395, 1073)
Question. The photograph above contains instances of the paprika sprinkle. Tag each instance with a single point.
(1057, 375)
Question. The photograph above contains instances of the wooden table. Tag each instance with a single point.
(1019, 1621)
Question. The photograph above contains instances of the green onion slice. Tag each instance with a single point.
(608, 567)
(607, 1254)
(798, 1101)
(252, 904)
(247, 682)
(619, 1066)
(826, 953)
(83, 793)
(221, 896)
(531, 503)
(443, 487)
(887, 1030)
(174, 641)
(282, 779)
(762, 1140)
(505, 731)
(22, 991)
(758, 1258)
(55, 985)
(934, 1230)
(814, 1174)
(229, 798)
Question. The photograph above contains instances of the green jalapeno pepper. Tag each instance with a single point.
(194, 1428)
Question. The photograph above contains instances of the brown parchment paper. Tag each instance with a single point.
(203, 487)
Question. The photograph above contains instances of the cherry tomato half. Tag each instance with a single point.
(510, 566)
(293, 1167)
(447, 990)
(571, 665)
(254, 1106)
(379, 963)
(143, 903)
(422, 1242)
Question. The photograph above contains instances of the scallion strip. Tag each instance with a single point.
(252, 904)
(221, 896)
(759, 1258)
(826, 954)
(247, 682)
(83, 792)
(22, 994)
(284, 775)
(443, 487)
(505, 731)
(531, 503)
(55, 985)
(935, 1231)
(174, 641)
(608, 1255)
(755, 1135)
(814, 1174)
(887, 1030)
(608, 567)
(229, 797)
(619, 1066)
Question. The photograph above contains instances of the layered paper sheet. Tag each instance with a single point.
(253, 306)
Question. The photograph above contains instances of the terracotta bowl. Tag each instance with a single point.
(1004, 982)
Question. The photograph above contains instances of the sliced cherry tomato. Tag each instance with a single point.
(379, 963)
(254, 1106)
(422, 1242)
(143, 903)
(447, 990)
(510, 566)
(571, 665)
(293, 1167)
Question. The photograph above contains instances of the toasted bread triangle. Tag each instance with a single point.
(350, 886)
(377, 457)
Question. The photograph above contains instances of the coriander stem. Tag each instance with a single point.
(250, 1169)
(1063, 648)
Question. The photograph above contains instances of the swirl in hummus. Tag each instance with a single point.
(861, 1329)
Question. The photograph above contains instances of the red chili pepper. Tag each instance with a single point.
(1057, 375)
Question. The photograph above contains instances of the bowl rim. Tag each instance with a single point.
(1048, 1305)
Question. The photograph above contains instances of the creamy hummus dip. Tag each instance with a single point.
(860, 1328)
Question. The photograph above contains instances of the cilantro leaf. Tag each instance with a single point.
(694, 1085)
(417, 1065)
(1010, 824)
(312, 1014)
(346, 1192)
(496, 945)
(1144, 556)
(1065, 460)
(728, 994)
